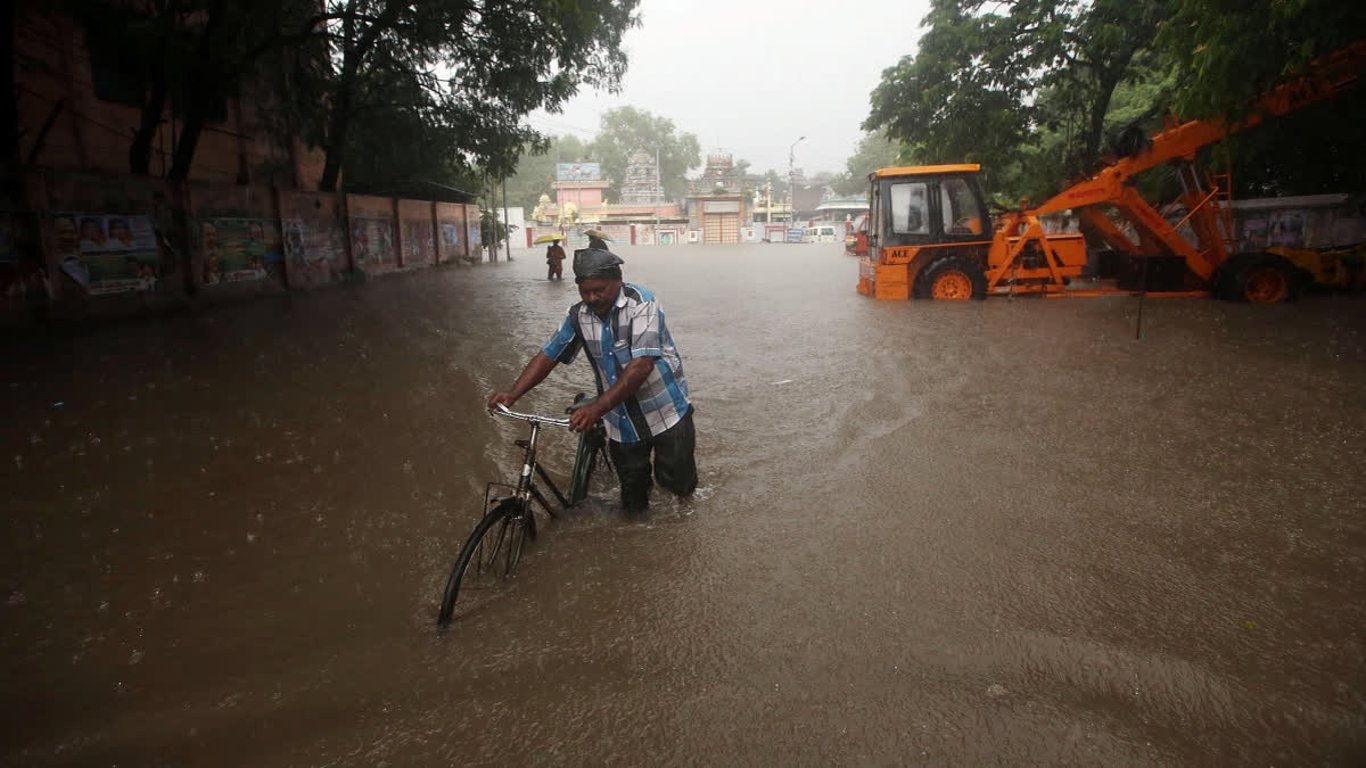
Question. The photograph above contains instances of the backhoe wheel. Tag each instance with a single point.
(1264, 279)
(952, 278)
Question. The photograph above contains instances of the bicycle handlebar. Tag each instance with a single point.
(503, 410)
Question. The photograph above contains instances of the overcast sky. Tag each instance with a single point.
(750, 77)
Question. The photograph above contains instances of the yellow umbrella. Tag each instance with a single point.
(598, 233)
(551, 238)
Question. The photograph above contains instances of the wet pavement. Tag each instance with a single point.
(1004, 532)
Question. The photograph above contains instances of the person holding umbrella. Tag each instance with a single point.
(554, 256)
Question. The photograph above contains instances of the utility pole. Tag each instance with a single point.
(488, 208)
(507, 231)
(792, 181)
(659, 194)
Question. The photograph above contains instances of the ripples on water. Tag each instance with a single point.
(1003, 532)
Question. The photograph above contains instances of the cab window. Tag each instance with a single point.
(909, 215)
(961, 213)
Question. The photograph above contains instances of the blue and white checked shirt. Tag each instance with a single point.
(634, 328)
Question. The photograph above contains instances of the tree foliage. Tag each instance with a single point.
(990, 77)
(1231, 50)
(942, 102)
(184, 56)
(874, 151)
(1228, 51)
(470, 69)
(1033, 89)
(626, 130)
(388, 89)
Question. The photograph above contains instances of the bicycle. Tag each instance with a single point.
(511, 519)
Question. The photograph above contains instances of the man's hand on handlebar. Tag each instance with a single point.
(503, 398)
(584, 417)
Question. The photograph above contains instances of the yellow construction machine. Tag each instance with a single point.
(931, 236)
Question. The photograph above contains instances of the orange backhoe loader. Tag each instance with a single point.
(931, 236)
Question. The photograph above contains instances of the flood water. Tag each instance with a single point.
(1004, 532)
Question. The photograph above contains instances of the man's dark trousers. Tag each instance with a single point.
(674, 466)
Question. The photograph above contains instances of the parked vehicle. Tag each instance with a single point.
(856, 242)
(821, 233)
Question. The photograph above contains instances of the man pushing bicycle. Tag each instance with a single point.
(642, 393)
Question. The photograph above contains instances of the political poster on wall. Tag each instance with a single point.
(107, 253)
(372, 241)
(418, 247)
(237, 250)
(450, 236)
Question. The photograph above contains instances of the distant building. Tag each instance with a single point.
(642, 217)
(579, 189)
(807, 197)
(839, 209)
(642, 185)
(717, 202)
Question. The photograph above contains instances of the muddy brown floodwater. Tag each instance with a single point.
(1004, 532)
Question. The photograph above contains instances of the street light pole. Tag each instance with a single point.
(657, 195)
(791, 180)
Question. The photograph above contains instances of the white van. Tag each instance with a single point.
(823, 233)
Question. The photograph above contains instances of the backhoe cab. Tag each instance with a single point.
(931, 237)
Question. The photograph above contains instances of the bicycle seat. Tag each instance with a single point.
(580, 400)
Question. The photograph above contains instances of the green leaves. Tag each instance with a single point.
(452, 80)
(1022, 87)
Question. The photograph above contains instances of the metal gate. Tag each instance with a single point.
(721, 228)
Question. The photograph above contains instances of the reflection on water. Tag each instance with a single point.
(1001, 532)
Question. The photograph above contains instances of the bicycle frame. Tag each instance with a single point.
(526, 489)
(512, 515)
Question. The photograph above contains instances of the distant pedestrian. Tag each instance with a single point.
(595, 240)
(554, 259)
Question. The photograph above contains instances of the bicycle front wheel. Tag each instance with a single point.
(489, 555)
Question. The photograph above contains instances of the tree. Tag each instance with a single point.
(1230, 51)
(391, 145)
(875, 150)
(474, 68)
(626, 130)
(983, 83)
(189, 56)
(943, 102)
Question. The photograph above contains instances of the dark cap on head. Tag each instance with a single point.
(590, 263)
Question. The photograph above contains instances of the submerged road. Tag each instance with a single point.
(1003, 532)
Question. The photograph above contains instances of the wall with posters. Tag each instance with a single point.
(416, 236)
(107, 253)
(23, 277)
(313, 226)
(472, 232)
(1308, 221)
(452, 244)
(371, 224)
(238, 244)
(106, 237)
(84, 245)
